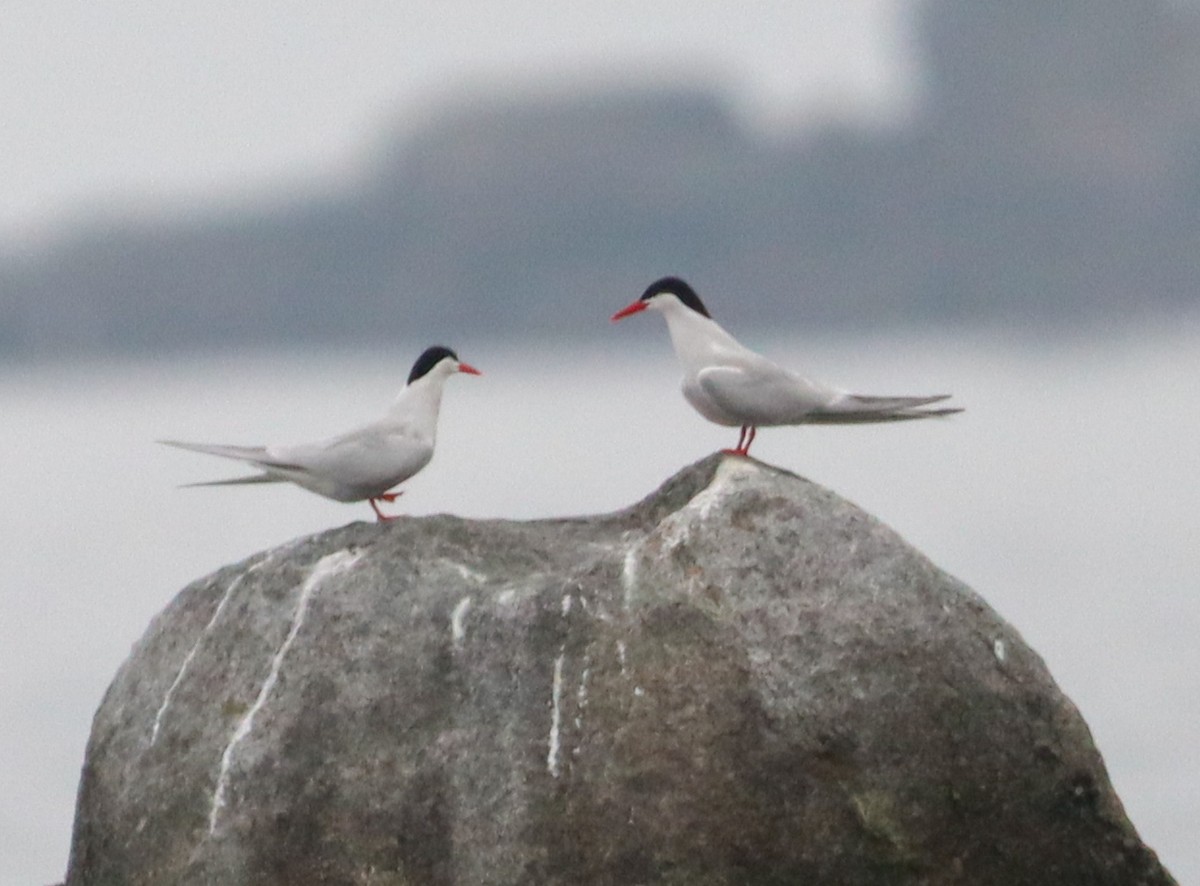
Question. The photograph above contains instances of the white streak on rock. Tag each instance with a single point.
(676, 528)
(233, 586)
(468, 573)
(621, 656)
(581, 697)
(629, 573)
(999, 650)
(555, 717)
(332, 564)
(566, 605)
(457, 631)
(166, 702)
(728, 473)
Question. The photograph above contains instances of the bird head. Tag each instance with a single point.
(439, 361)
(663, 294)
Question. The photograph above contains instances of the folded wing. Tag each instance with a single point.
(859, 408)
(763, 395)
(767, 395)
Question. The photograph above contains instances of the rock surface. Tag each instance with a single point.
(741, 680)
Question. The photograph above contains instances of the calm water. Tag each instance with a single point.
(1068, 495)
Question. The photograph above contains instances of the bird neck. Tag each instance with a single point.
(418, 404)
(696, 338)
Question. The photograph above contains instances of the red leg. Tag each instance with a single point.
(383, 518)
(740, 450)
(749, 440)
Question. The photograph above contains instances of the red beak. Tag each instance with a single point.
(468, 369)
(632, 309)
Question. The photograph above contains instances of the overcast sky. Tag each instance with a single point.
(158, 103)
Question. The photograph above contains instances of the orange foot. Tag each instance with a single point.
(388, 497)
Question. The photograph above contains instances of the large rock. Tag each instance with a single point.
(741, 680)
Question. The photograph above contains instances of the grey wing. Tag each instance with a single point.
(363, 462)
(764, 394)
(859, 408)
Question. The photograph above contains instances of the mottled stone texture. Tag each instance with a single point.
(742, 680)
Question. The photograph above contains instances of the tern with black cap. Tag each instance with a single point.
(731, 385)
(364, 464)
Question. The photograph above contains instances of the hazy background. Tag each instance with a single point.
(223, 221)
(178, 177)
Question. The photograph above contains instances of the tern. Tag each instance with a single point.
(731, 385)
(367, 462)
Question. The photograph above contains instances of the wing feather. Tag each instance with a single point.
(255, 455)
(767, 395)
(763, 395)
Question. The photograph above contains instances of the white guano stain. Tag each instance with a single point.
(581, 696)
(187, 661)
(468, 573)
(555, 717)
(566, 605)
(621, 651)
(676, 528)
(457, 630)
(212, 621)
(327, 566)
(999, 650)
(629, 575)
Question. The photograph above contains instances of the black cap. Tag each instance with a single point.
(676, 287)
(431, 358)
